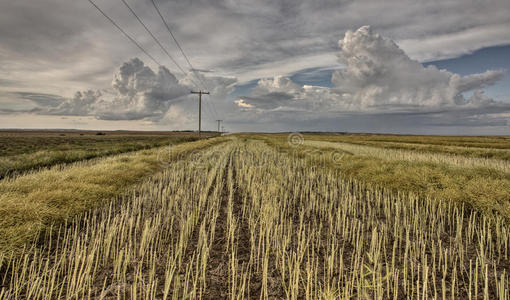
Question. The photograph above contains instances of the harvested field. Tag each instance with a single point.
(242, 220)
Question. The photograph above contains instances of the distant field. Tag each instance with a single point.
(483, 147)
(501, 142)
(26, 150)
(265, 216)
(36, 201)
(461, 177)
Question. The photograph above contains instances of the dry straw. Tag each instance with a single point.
(241, 221)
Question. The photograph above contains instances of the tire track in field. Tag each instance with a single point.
(217, 265)
(251, 281)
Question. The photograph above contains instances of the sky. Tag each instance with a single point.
(397, 66)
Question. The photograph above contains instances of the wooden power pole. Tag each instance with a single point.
(219, 121)
(200, 93)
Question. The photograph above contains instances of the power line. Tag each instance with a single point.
(145, 51)
(125, 34)
(214, 109)
(182, 51)
(209, 110)
(156, 39)
(213, 115)
(176, 42)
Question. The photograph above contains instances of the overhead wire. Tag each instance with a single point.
(156, 40)
(214, 116)
(192, 69)
(125, 33)
(143, 49)
(204, 87)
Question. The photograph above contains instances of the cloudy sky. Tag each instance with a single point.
(401, 66)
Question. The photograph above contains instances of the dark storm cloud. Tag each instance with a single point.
(379, 123)
(6, 111)
(42, 99)
(7, 82)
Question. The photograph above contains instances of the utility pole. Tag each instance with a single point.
(219, 121)
(200, 109)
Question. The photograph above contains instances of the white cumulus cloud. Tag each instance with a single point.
(139, 93)
(378, 77)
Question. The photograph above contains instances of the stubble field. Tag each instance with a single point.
(265, 217)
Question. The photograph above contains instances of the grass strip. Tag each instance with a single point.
(484, 189)
(479, 150)
(24, 155)
(37, 201)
